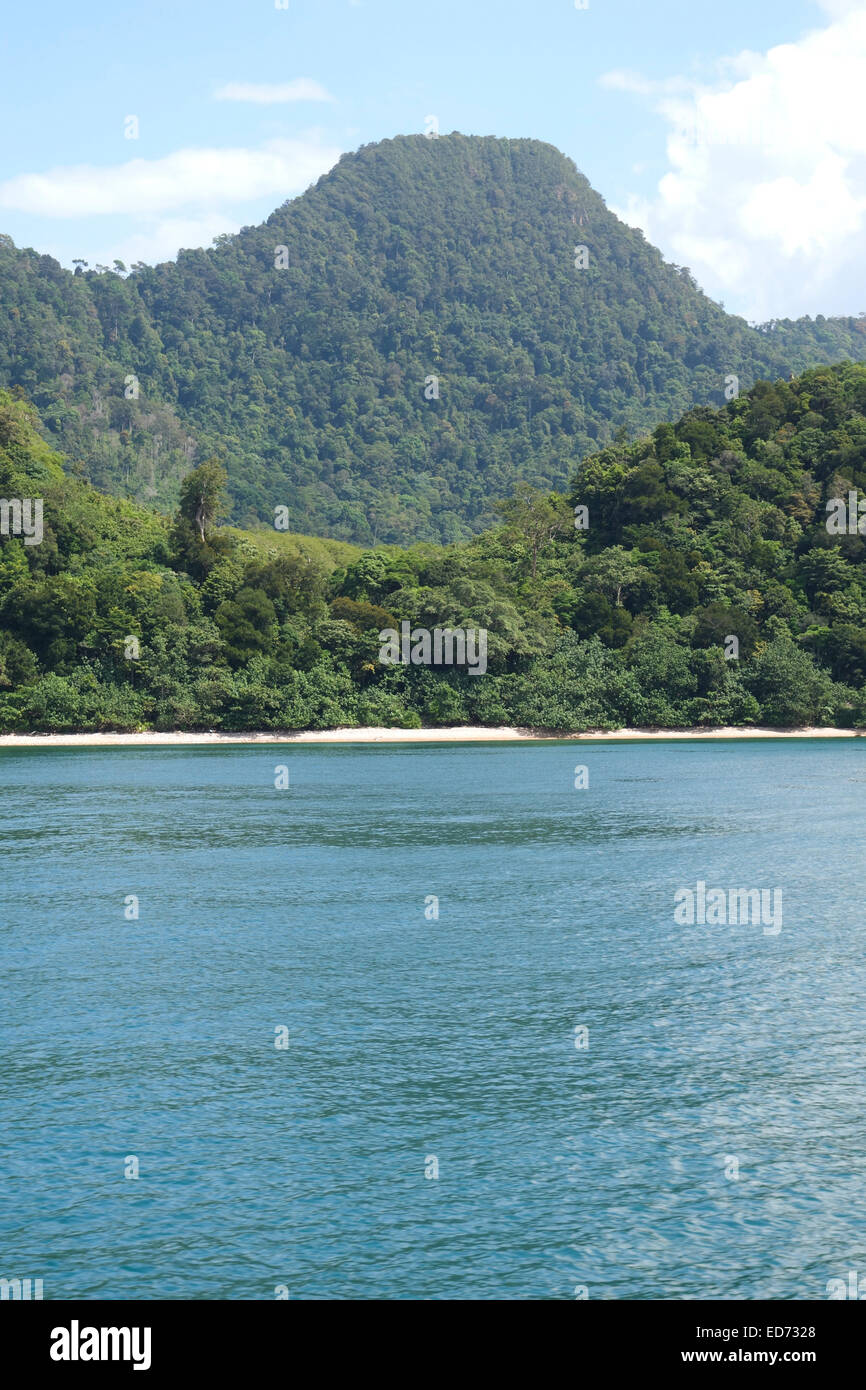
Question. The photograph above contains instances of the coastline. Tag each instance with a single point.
(457, 734)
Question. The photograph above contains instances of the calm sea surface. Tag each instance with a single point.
(415, 1043)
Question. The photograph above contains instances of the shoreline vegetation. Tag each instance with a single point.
(709, 576)
(459, 734)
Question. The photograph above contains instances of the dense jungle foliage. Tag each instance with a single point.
(705, 529)
(301, 351)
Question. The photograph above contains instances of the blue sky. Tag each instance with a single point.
(726, 131)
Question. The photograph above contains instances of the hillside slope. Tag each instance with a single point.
(413, 258)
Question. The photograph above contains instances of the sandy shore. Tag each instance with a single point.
(460, 734)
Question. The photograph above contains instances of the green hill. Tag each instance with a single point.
(451, 258)
(709, 529)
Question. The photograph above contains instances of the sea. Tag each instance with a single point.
(424, 1021)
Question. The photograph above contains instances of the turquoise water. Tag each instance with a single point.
(412, 1039)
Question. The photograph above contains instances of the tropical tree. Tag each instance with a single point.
(536, 517)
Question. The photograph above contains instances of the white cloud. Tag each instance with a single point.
(161, 240)
(271, 93)
(840, 7)
(191, 178)
(765, 193)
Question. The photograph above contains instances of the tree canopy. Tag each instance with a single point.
(707, 529)
(310, 370)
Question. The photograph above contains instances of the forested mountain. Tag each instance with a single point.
(302, 351)
(711, 528)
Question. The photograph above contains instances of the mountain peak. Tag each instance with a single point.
(433, 321)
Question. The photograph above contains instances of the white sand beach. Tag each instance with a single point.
(458, 734)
